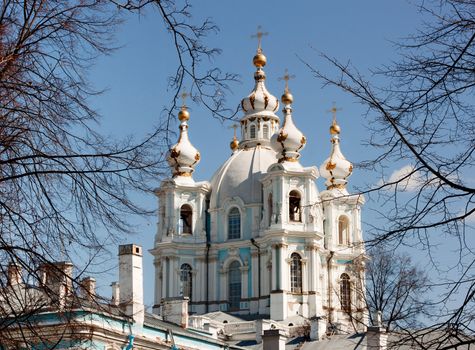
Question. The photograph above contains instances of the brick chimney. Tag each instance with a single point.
(175, 310)
(115, 293)
(14, 274)
(57, 278)
(274, 339)
(131, 281)
(318, 327)
(88, 287)
(376, 336)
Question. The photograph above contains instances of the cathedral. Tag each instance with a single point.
(259, 240)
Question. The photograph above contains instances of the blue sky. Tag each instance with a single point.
(135, 76)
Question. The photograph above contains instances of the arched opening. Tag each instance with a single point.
(252, 132)
(294, 206)
(345, 292)
(234, 285)
(186, 280)
(265, 131)
(295, 273)
(270, 209)
(234, 224)
(186, 217)
(343, 230)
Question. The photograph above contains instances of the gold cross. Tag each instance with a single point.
(259, 36)
(287, 77)
(234, 126)
(333, 111)
(184, 95)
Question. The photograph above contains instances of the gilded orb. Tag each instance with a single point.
(335, 129)
(234, 144)
(259, 60)
(287, 98)
(183, 115)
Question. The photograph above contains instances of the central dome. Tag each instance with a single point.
(240, 176)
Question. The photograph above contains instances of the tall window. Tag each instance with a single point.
(186, 281)
(265, 131)
(294, 206)
(186, 216)
(252, 132)
(295, 273)
(343, 230)
(234, 285)
(234, 223)
(345, 292)
(270, 208)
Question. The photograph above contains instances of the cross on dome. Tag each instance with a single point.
(184, 95)
(334, 128)
(259, 34)
(234, 143)
(286, 78)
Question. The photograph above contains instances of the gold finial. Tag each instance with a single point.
(184, 115)
(334, 128)
(287, 97)
(234, 143)
(259, 59)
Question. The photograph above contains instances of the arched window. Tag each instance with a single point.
(345, 292)
(270, 208)
(294, 206)
(186, 216)
(343, 230)
(295, 273)
(234, 224)
(186, 280)
(265, 131)
(234, 285)
(252, 132)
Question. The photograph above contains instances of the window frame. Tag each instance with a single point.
(293, 213)
(234, 285)
(345, 292)
(234, 233)
(186, 280)
(296, 273)
(181, 220)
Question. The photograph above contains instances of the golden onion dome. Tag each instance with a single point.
(234, 144)
(335, 129)
(183, 115)
(287, 98)
(259, 60)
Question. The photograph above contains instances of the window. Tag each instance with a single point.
(186, 281)
(295, 273)
(343, 232)
(345, 292)
(186, 216)
(234, 285)
(234, 223)
(270, 208)
(265, 131)
(294, 206)
(252, 132)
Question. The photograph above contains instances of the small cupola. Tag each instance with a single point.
(336, 169)
(183, 156)
(288, 141)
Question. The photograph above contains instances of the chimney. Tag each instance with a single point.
(131, 281)
(57, 278)
(274, 339)
(175, 310)
(88, 287)
(318, 327)
(376, 336)
(115, 293)
(14, 274)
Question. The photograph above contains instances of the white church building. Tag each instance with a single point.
(260, 239)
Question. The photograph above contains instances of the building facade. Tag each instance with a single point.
(259, 238)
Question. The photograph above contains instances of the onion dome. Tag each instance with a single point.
(289, 140)
(183, 157)
(260, 101)
(336, 169)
